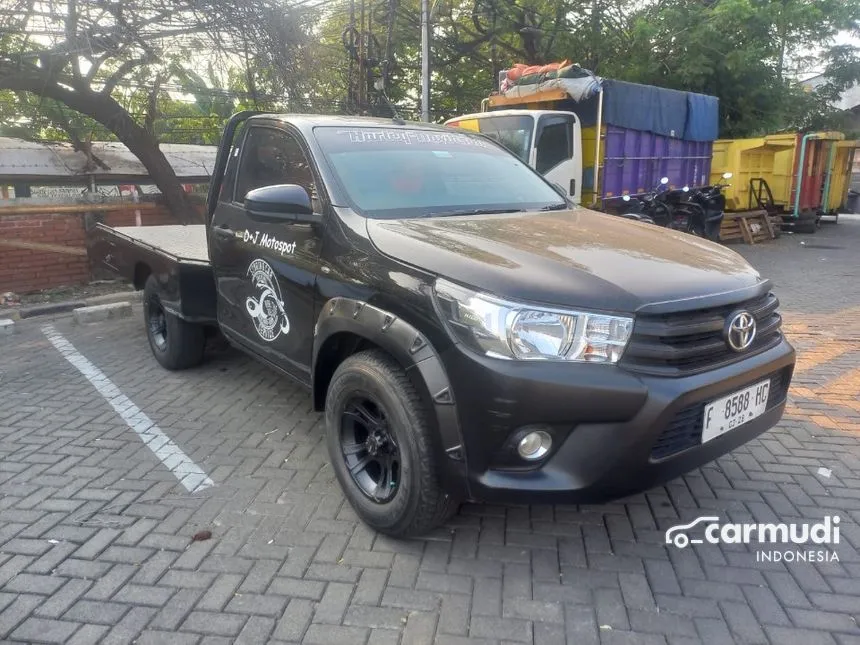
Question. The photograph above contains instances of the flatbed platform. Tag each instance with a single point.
(183, 242)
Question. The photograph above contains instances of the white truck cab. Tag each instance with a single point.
(550, 141)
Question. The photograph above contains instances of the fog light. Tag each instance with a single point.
(534, 445)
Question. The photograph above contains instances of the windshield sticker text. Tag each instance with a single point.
(266, 241)
(411, 137)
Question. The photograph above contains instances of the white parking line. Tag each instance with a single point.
(187, 472)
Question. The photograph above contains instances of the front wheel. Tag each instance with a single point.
(175, 343)
(381, 449)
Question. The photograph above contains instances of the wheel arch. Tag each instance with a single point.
(346, 326)
(141, 272)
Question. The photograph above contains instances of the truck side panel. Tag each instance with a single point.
(187, 288)
(633, 161)
(113, 253)
(197, 286)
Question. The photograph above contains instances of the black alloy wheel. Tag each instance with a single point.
(157, 323)
(369, 449)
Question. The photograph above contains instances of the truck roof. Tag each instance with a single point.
(508, 112)
(307, 121)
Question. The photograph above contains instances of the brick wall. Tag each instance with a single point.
(48, 250)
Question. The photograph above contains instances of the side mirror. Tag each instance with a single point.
(727, 175)
(664, 181)
(281, 202)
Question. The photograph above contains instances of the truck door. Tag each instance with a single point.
(265, 272)
(558, 152)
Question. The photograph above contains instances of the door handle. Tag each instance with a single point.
(223, 231)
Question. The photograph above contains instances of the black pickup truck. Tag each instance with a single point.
(469, 334)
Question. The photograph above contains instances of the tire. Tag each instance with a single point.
(806, 226)
(175, 343)
(415, 503)
(695, 220)
(698, 229)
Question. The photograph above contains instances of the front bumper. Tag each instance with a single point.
(615, 432)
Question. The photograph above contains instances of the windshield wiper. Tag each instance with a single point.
(555, 207)
(476, 211)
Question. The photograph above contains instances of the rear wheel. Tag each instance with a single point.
(175, 343)
(681, 220)
(381, 449)
(697, 221)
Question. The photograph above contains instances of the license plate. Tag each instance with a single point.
(735, 410)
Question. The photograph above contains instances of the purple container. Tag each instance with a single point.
(634, 161)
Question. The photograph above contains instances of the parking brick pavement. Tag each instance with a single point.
(96, 534)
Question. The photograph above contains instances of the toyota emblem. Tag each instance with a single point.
(740, 331)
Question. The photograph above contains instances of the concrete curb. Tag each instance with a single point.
(68, 306)
(100, 313)
(108, 298)
(49, 308)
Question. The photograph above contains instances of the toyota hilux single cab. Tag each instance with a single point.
(468, 332)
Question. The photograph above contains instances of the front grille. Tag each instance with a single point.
(682, 343)
(685, 429)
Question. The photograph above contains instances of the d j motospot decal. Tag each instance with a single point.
(267, 308)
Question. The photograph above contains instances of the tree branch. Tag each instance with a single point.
(104, 109)
(121, 71)
(72, 38)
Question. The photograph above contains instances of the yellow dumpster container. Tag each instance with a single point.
(840, 177)
(770, 158)
(776, 159)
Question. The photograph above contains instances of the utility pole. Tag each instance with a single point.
(425, 60)
(362, 63)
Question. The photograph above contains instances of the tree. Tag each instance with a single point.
(749, 53)
(98, 57)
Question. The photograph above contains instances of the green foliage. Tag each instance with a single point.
(742, 51)
(749, 53)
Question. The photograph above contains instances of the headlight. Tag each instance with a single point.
(511, 330)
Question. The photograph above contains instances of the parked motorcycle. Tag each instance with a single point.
(712, 204)
(669, 208)
(698, 211)
(630, 208)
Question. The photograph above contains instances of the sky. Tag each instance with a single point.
(843, 38)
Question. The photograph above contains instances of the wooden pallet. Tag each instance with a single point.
(776, 224)
(750, 227)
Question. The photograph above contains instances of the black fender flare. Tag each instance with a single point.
(409, 347)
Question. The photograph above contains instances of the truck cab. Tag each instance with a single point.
(550, 141)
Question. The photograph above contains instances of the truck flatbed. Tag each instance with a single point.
(180, 242)
(178, 254)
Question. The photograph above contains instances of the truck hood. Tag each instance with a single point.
(574, 258)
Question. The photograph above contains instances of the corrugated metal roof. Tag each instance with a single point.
(60, 163)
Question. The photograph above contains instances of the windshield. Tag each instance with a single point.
(513, 132)
(401, 172)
